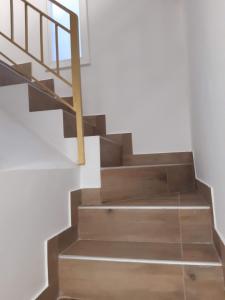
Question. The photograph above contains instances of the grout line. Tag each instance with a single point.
(182, 249)
(139, 261)
(102, 207)
(145, 166)
(184, 283)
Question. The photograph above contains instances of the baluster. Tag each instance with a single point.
(57, 47)
(41, 38)
(26, 27)
(76, 85)
(12, 19)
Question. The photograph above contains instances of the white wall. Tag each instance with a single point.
(34, 206)
(35, 183)
(138, 72)
(21, 149)
(206, 31)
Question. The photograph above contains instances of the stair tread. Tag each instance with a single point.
(170, 252)
(105, 138)
(147, 166)
(168, 200)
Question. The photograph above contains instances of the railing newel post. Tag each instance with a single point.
(76, 86)
(75, 60)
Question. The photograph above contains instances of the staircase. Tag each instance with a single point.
(150, 237)
(147, 233)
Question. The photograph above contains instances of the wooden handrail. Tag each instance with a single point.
(45, 15)
(75, 59)
(70, 12)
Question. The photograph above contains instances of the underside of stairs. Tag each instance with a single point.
(147, 233)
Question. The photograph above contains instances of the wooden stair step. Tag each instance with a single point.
(70, 130)
(111, 152)
(120, 183)
(97, 121)
(24, 69)
(155, 224)
(143, 252)
(158, 159)
(10, 76)
(167, 200)
(48, 83)
(125, 272)
(124, 140)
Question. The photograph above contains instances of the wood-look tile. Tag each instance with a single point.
(51, 293)
(128, 183)
(58, 244)
(181, 178)
(129, 225)
(91, 196)
(111, 153)
(49, 83)
(69, 122)
(204, 283)
(196, 226)
(200, 252)
(223, 257)
(157, 159)
(99, 122)
(67, 237)
(152, 200)
(9, 76)
(108, 280)
(76, 198)
(124, 139)
(39, 101)
(128, 250)
(24, 69)
(192, 199)
(205, 191)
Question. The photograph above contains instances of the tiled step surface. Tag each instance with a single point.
(111, 152)
(8, 76)
(157, 159)
(193, 199)
(119, 183)
(173, 253)
(145, 224)
(110, 280)
(141, 270)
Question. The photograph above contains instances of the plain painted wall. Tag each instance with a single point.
(138, 73)
(35, 183)
(34, 206)
(206, 31)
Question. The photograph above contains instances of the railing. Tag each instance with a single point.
(75, 83)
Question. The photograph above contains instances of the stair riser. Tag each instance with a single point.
(111, 153)
(131, 281)
(124, 140)
(158, 159)
(7, 77)
(125, 183)
(137, 225)
(70, 131)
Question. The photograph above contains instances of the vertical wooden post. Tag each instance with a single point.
(41, 38)
(26, 27)
(57, 47)
(76, 86)
(12, 19)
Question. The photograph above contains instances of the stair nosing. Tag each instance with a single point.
(145, 166)
(140, 261)
(102, 137)
(141, 207)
